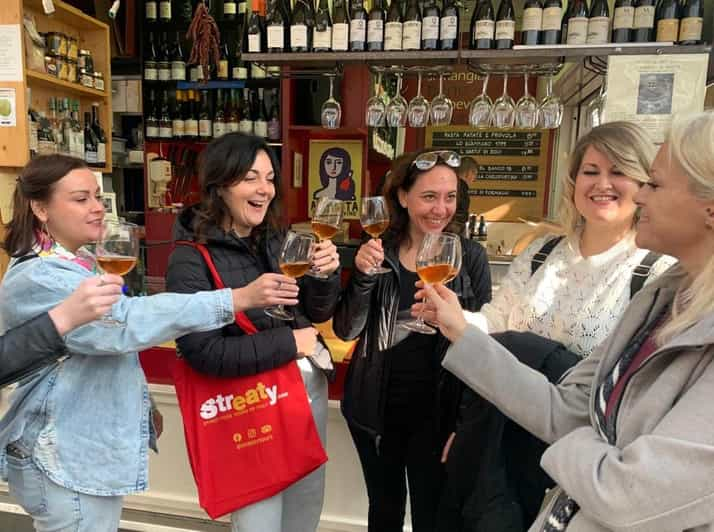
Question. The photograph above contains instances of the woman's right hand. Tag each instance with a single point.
(267, 290)
(369, 255)
(92, 299)
(305, 339)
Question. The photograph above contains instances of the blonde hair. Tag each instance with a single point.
(626, 145)
(689, 143)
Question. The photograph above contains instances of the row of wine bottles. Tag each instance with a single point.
(166, 11)
(205, 115)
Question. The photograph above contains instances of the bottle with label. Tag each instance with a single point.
(152, 118)
(66, 126)
(55, 124)
(667, 21)
(393, 28)
(690, 27)
(260, 120)
(166, 131)
(238, 69)
(78, 131)
(150, 11)
(577, 21)
(205, 122)
(230, 9)
(430, 19)
(274, 118)
(411, 29)
(275, 26)
(255, 32)
(358, 27)
(223, 68)
(101, 137)
(190, 117)
(33, 129)
(505, 25)
(375, 27)
(164, 65)
(178, 124)
(90, 141)
(532, 22)
(178, 61)
(599, 23)
(232, 116)
(246, 120)
(220, 126)
(483, 26)
(482, 234)
(340, 27)
(151, 60)
(301, 26)
(165, 11)
(644, 23)
(322, 34)
(551, 25)
(449, 25)
(623, 21)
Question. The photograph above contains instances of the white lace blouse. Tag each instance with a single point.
(574, 300)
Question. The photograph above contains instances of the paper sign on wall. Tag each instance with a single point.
(8, 115)
(10, 53)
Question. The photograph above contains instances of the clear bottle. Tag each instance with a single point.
(66, 125)
(56, 125)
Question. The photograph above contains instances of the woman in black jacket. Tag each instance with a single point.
(398, 403)
(238, 221)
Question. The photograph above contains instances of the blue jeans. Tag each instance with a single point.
(54, 508)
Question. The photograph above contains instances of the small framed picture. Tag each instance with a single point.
(110, 205)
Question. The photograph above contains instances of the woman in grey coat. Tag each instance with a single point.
(630, 431)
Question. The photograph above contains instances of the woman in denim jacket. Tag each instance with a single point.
(74, 440)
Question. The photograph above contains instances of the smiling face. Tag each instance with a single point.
(74, 212)
(248, 200)
(603, 195)
(333, 166)
(431, 202)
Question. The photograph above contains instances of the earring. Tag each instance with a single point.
(44, 237)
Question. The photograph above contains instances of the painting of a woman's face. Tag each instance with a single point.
(333, 166)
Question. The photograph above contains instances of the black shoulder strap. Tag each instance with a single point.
(24, 258)
(540, 257)
(642, 272)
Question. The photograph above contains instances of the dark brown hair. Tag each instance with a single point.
(225, 162)
(402, 177)
(36, 182)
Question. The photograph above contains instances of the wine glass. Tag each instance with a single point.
(397, 107)
(331, 113)
(326, 223)
(480, 108)
(418, 111)
(456, 267)
(503, 108)
(435, 261)
(442, 108)
(596, 108)
(376, 108)
(551, 108)
(526, 109)
(294, 261)
(116, 252)
(374, 218)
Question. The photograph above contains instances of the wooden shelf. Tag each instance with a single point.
(69, 15)
(61, 86)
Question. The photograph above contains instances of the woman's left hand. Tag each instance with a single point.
(443, 309)
(326, 259)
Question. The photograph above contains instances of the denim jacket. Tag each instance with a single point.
(85, 420)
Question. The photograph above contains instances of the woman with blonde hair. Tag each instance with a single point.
(630, 444)
(561, 297)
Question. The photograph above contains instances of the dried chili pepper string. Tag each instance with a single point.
(206, 38)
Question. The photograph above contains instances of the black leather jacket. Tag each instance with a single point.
(368, 308)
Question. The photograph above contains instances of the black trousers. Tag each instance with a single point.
(408, 454)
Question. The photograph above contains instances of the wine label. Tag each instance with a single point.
(598, 30)
(223, 69)
(430, 28)
(667, 30)
(375, 31)
(241, 8)
(322, 39)
(552, 17)
(257, 72)
(165, 132)
(449, 27)
(229, 8)
(393, 36)
(505, 29)
(232, 127)
(205, 128)
(254, 43)
(240, 73)
(358, 30)
(90, 155)
(276, 37)
(245, 126)
(164, 71)
(532, 19)
(150, 72)
(196, 73)
(151, 10)
(411, 38)
(260, 128)
(219, 129)
(179, 127)
(165, 10)
(484, 29)
(577, 30)
(152, 131)
(178, 70)
(101, 153)
(298, 35)
(624, 18)
(644, 17)
(190, 127)
(691, 29)
(340, 31)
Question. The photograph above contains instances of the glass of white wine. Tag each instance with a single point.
(374, 218)
(116, 252)
(326, 222)
(294, 261)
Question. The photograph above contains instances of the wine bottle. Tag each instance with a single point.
(667, 21)
(577, 20)
(411, 29)
(599, 23)
(260, 123)
(230, 9)
(430, 26)
(623, 21)
(393, 33)
(165, 129)
(151, 60)
(552, 23)
(358, 27)
(165, 11)
(301, 27)
(150, 11)
(246, 120)
(190, 117)
(178, 62)
(322, 34)
(223, 68)
(255, 30)
(164, 65)
(690, 28)
(152, 119)
(101, 137)
(205, 123)
(219, 117)
(644, 24)
(178, 124)
(232, 115)
(238, 69)
(274, 118)
(375, 27)
(483, 25)
(505, 25)
(90, 141)
(532, 22)
(340, 27)
(449, 26)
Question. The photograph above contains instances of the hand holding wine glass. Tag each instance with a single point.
(326, 222)
(294, 262)
(375, 220)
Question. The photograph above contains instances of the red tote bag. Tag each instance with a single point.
(248, 438)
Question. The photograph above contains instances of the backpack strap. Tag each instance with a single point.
(539, 258)
(24, 258)
(242, 320)
(642, 272)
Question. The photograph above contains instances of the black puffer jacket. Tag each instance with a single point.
(228, 351)
(368, 309)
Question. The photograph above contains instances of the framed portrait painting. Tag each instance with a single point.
(335, 171)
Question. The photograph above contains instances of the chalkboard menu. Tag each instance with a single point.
(512, 180)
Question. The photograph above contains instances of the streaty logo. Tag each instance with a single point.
(239, 402)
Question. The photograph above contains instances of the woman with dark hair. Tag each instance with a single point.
(238, 220)
(74, 440)
(398, 403)
(336, 175)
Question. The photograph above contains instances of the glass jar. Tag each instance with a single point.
(50, 66)
(98, 81)
(85, 61)
(86, 79)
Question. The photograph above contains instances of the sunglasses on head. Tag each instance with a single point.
(428, 160)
